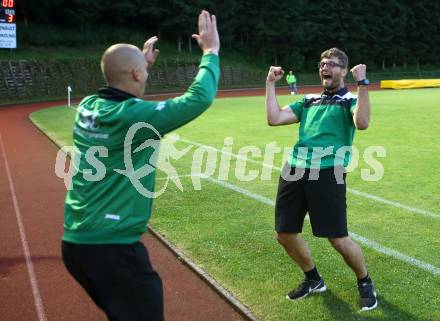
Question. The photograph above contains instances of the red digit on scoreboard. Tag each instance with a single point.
(8, 3)
(10, 18)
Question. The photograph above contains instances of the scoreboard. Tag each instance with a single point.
(8, 37)
(7, 11)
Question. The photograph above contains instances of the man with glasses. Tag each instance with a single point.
(313, 180)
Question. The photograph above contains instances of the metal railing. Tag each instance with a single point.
(32, 79)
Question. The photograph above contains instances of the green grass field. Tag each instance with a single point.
(227, 226)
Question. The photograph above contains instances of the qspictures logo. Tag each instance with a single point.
(207, 161)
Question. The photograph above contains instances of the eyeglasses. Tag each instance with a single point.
(330, 64)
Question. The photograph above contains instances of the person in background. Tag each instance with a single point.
(291, 81)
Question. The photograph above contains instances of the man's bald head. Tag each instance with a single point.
(120, 61)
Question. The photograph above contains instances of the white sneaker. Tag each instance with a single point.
(292, 93)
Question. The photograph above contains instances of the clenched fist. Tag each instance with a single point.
(275, 74)
(359, 72)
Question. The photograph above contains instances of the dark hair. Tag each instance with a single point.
(337, 53)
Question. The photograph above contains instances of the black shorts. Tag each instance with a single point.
(118, 277)
(323, 198)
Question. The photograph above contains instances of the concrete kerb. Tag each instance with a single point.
(224, 293)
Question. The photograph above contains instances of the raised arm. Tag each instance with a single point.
(362, 111)
(149, 52)
(168, 115)
(275, 115)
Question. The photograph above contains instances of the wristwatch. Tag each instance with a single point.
(364, 82)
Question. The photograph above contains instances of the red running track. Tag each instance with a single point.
(31, 225)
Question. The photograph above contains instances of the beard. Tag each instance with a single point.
(331, 84)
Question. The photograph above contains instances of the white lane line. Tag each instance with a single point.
(369, 243)
(235, 188)
(366, 242)
(33, 279)
(402, 257)
(395, 204)
(351, 190)
(171, 177)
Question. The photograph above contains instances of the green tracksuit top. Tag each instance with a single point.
(326, 130)
(104, 204)
(290, 79)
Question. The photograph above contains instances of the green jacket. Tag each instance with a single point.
(103, 209)
(290, 78)
(326, 130)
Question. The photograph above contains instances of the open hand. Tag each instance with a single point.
(208, 38)
(149, 52)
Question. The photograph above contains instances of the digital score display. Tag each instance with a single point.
(7, 11)
(8, 31)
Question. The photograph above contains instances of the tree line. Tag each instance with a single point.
(381, 33)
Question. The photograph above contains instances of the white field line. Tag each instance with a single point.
(171, 177)
(351, 190)
(366, 242)
(390, 252)
(33, 279)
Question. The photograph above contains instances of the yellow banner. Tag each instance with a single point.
(409, 83)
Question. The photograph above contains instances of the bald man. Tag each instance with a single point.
(109, 202)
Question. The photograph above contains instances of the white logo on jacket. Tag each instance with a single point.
(160, 105)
